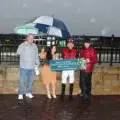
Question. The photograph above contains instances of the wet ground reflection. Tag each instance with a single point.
(40, 108)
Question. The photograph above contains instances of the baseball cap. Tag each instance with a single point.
(70, 40)
(86, 39)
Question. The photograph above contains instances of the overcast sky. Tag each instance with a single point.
(90, 17)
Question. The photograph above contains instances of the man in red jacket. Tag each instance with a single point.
(88, 53)
(68, 53)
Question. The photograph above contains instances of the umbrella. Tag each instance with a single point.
(51, 26)
(26, 29)
(44, 25)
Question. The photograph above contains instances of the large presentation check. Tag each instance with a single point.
(68, 64)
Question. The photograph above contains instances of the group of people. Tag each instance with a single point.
(29, 58)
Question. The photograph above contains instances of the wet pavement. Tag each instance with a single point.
(40, 108)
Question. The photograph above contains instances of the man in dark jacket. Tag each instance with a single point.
(88, 53)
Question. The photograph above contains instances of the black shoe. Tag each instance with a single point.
(71, 89)
(63, 91)
(81, 95)
(71, 92)
(86, 98)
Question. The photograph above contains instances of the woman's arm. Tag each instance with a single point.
(55, 56)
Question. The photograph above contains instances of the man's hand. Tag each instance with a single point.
(88, 60)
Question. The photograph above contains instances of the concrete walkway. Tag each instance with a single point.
(40, 108)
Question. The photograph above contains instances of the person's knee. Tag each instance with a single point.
(64, 81)
(71, 80)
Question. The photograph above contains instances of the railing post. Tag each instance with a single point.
(111, 55)
(0, 51)
(100, 49)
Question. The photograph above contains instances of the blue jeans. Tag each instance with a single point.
(29, 75)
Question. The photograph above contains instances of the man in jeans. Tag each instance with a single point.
(28, 53)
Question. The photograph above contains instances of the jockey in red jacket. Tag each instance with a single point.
(68, 53)
(88, 53)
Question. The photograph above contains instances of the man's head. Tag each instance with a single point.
(70, 43)
(30, 38)
(87, 42)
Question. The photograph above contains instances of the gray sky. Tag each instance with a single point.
(90, 17)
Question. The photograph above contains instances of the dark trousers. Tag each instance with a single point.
(85, 84)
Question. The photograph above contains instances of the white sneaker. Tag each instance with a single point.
(29, 95)
(20, 97)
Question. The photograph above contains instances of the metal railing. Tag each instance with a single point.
(108, 48)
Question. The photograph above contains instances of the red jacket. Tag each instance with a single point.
(69, 53)
(91, 54)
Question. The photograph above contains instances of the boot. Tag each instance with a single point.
(63, 91)
(49, 95)
(54, 95)
(87, 95)
(71, 91)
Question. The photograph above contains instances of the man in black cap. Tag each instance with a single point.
(88, 53)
